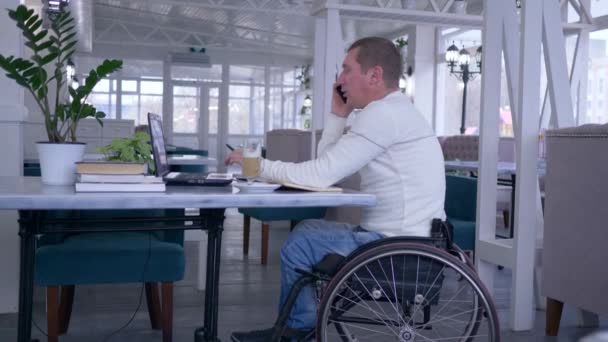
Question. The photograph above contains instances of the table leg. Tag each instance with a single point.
(214, 221)
(28, 223)
(512, 215)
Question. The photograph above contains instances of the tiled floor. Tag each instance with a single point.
(248, 299)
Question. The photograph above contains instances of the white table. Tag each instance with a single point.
(33, 199)
(174, 159)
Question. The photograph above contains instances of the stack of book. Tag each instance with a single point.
(104, 176)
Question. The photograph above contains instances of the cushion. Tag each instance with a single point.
(95, 258)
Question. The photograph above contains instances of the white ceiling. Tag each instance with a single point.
(282, 27)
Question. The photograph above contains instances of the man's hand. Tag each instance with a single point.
(235, 157)
(338, 107)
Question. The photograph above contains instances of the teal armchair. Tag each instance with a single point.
(461, 209)
(150, 257)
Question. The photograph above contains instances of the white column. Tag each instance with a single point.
(203, 120)
(12, 115)
(222, 117)
(328, 56)
(526, 139)
(266, 100)
(167, 101)
(488, 141)
(439, 84)
(421, 57)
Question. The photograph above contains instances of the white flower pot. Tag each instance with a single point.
(58, 162)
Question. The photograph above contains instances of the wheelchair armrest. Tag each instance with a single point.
(329, 265)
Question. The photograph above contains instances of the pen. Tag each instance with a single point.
(230, 147)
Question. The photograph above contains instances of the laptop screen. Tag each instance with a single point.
(155, 125)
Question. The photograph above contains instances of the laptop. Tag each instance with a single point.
(161, 162)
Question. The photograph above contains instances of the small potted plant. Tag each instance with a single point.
(51, 49)
(136, 149)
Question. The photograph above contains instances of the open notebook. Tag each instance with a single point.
(310, 188)
(292, 186)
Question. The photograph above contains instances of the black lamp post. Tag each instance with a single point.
(463, 58)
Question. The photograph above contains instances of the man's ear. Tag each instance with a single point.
(376, 75)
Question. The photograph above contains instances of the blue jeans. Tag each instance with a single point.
(310, 241)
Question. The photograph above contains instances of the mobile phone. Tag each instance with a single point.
(230, 147)
(341, 93)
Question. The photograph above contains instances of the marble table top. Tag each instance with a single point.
(30, 193)
(174, 159)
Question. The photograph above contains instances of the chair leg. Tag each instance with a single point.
(65, 307)
(167, 311)
(554, 315)
(52, 313)
(246, 226)
(153, 305)
(265, 227)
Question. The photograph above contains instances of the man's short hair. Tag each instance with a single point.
(382, 52)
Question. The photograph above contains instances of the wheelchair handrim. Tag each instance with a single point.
(416, 250)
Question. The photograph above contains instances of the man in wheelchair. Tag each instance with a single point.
(399, 160)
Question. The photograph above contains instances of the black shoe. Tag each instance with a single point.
(253, 336)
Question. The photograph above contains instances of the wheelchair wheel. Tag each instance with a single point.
(404, 292)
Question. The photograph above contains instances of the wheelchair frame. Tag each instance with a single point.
(332, 273)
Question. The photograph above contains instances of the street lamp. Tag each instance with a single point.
(462, 59)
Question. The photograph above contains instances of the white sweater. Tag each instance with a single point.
(398, 157)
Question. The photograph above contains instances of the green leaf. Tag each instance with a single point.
(68, 37)
(40, 35)
(42, 92)
(70, 28)
(49, 58)
(66, 21)
(69, 46)
(72, 92)
(36, 26)
(31, 20)
(31, 71)
(43, 46)
(67, 55)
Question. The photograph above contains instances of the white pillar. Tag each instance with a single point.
(421, 57)
(328, 56)
(222, 117)
(439, 84)
(167, 101)
(266, 101)
(12, 115)
(526, 139)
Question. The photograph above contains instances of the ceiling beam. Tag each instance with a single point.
(301, 10)
(118, 9)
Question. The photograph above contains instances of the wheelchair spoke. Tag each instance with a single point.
(369, 308)
(418, 294)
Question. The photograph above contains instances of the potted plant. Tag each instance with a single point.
(62, 110)
(136, 149)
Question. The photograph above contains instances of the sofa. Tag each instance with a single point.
(575, 235)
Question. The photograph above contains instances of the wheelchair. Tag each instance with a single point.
(396, 289)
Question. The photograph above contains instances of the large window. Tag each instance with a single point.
(185, 109)
(139, 97)
(103, 97)
(597, 92)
